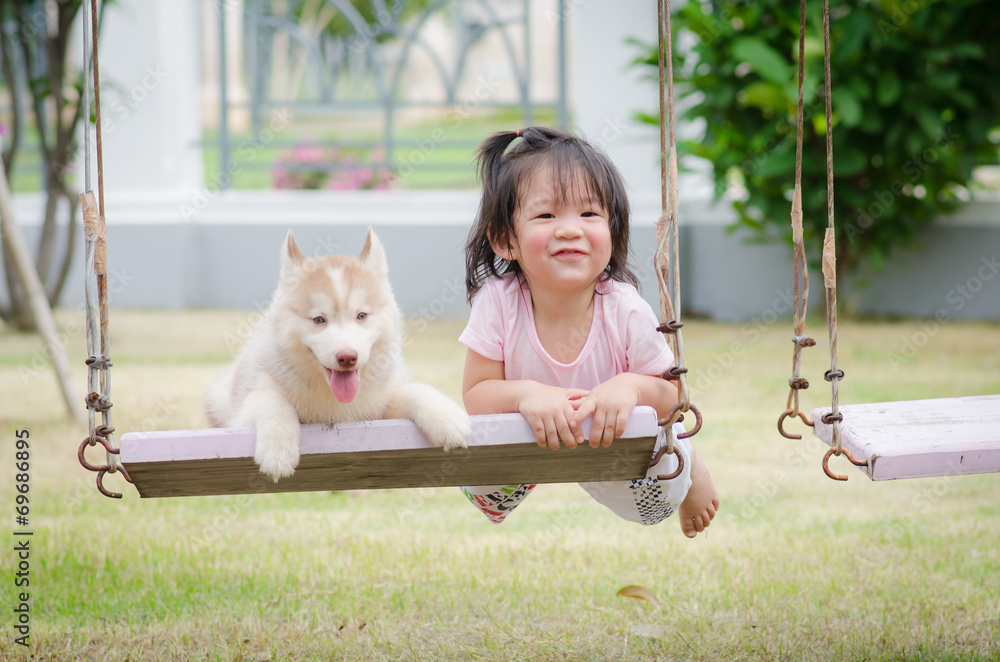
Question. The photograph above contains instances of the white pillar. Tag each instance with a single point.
(150, 64)
(607, 90)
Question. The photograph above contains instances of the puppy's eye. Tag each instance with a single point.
(319, 319)
(362, 316)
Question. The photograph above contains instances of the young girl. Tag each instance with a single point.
(558, 331)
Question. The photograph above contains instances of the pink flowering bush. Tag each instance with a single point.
(312, 167)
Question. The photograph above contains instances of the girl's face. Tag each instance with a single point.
(562, 245)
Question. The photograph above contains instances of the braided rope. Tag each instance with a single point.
(667, 259)
(800, 276)
(98, 342)
(829, 247)
(829, 258)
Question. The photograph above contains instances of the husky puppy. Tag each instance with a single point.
(328, 350)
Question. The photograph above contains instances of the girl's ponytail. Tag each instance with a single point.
(494, 207)
(489, 158)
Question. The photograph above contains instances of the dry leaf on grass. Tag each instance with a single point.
(639, 593)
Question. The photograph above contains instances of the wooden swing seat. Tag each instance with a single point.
(920, 438)
(377, 455)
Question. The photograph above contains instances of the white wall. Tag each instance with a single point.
(606, 90)
(150, 61)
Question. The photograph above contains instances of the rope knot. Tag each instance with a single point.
(798, 383)
(98, 401)
(804, 341)
(670, 327)
(99, 362)
(674, 373)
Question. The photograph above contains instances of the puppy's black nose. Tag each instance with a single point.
(347, 360)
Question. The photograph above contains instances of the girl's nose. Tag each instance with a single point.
(568, 228)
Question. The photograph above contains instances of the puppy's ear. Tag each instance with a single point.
(373, 255)
(291, 257)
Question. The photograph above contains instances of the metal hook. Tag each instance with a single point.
(792, 413)
(104, 490)
(833, 451)
(697, 424)
(684, 435)
(677, 471)
(102, 469)
(83, 447)
(673, 410)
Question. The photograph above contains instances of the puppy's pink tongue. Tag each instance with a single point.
(344, 384)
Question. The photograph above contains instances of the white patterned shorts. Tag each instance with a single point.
(646, 501)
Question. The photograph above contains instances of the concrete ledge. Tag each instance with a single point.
(166, 252)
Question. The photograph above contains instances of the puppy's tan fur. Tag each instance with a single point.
(326, 308)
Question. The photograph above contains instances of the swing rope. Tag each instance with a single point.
(667, 260)
(834, 374)
(800, 288)
(666, 263)
(99, 363)
(829, 263)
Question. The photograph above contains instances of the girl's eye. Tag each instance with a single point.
(319, 319)
(362, 316)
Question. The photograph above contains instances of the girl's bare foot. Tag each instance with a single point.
(701, 502)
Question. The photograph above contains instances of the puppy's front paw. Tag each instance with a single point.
(277, 452)
(448, 427)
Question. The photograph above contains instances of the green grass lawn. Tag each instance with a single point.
(795, 566)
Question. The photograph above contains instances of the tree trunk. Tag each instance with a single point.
(56, 289)
(58, 145)
(39, 308)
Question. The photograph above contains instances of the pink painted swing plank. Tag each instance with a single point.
(379, 454)
(920, 438)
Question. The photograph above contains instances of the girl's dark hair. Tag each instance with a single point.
(504, 173)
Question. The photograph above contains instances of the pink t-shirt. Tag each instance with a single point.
(622, 336)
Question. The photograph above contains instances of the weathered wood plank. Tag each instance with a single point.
(376, 455)
(920, 438)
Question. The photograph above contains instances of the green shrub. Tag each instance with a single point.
(916, 106)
